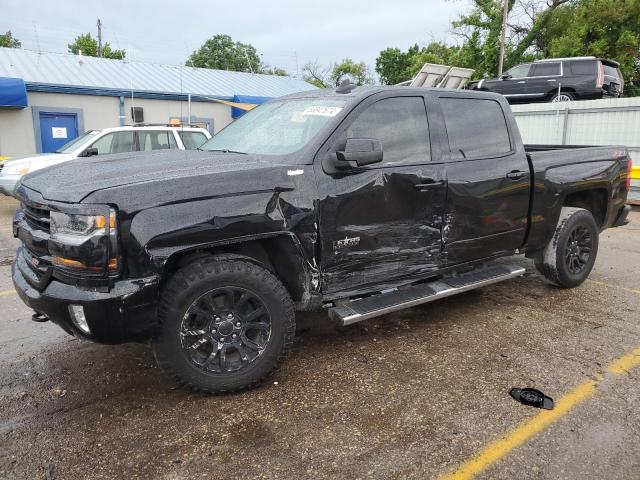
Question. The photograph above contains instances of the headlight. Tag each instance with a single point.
(80, 243)
(81, 225)
(17, 168)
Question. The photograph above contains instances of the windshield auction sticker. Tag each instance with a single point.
(320, 111)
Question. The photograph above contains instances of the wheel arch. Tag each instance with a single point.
(281, 254)
(594, 200)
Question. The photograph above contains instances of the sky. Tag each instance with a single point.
(288, 33)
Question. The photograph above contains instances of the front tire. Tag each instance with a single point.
(225, 325)
(568, 258)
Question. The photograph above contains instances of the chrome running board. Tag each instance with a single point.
(352, 311)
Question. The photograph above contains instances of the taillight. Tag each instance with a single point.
(629, 171)
(600, 80)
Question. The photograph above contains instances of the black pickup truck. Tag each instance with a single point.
(360, 201)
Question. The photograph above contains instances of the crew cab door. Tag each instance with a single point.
(488, 180)
(512, 84)
(545, 77)
(381, 222)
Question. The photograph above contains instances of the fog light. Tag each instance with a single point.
(77, 315)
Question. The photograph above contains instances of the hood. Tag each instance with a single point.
(41, 157)
(74, 180)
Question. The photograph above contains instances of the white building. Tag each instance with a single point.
(47, 99)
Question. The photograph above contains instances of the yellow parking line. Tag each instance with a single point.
(7, 292)
(499, 448)
(611, 285)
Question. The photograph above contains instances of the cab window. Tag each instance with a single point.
(476, 128)
(116, 142)
(400, 123)
(156, 140)
(520, 71)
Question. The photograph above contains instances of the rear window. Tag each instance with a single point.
(476, 127)
(610, 71)
(192, 140)
(545, 69)
(584, 67)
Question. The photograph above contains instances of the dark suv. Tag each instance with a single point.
(557, 80)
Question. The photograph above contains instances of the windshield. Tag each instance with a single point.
(276, 128)
(69, 147)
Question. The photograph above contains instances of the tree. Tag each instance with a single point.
(267, 70)
(394, 66)
(222, 53)
(358, 73)
(335, 73)
(316, 74)
(9, 41)
(602, 28)
(89, 47)
(481, 28)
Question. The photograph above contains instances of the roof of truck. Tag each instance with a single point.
(604, 60)
(360, 92)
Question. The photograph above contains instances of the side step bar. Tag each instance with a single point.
(353, 311)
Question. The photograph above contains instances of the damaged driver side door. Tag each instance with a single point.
(381, 223)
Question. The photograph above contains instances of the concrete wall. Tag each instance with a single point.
(17, 133)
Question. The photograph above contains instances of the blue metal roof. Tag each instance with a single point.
(68, 73)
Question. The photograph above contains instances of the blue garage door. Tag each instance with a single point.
(56, 129)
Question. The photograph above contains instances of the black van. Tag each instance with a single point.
(557, 80)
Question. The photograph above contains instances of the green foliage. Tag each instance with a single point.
(9, 41)
(550, 28)
(222, 53)
(481, 29)
(316, 75)
(280, 72)
(333, 75)
(394, 66)
(89, 47)
(603, 28)
(358, 73)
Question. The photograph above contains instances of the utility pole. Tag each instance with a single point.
(99, 38)
(502, 36)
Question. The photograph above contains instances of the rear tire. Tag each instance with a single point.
(568, 258)
(225, 325)
(561, 97)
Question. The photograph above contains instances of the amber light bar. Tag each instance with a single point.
(69, 263)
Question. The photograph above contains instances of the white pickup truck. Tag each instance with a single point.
(102, 142)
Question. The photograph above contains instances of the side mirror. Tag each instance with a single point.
(90, 152)
(505, 76)
(359, 152)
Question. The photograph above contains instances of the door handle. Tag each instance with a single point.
(516, 175)
(552, 80)
(522, 81)
(429, 184)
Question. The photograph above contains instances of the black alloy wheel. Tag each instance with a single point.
(225, 324)
(578, 249)
(225, 330)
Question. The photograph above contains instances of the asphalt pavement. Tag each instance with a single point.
(422, 393)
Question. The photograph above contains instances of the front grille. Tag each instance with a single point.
(37, 217)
